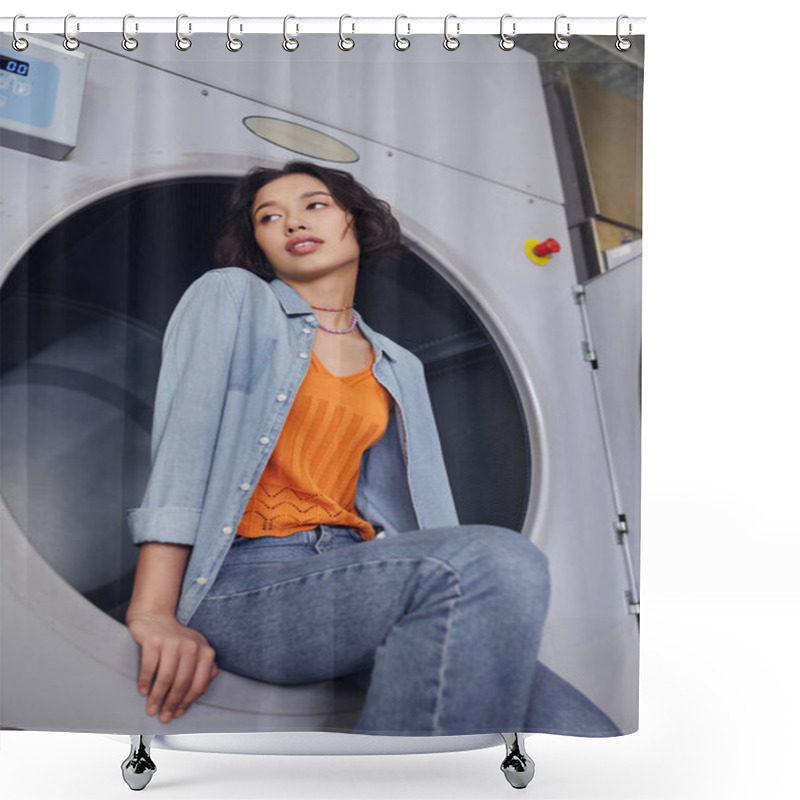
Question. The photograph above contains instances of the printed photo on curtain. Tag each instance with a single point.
(320, 385)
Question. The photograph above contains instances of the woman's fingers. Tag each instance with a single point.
(188, 654)
(205, 672)
(147, 669)
(167, 667)
(177, 664)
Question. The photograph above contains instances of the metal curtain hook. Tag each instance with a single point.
(623, 44)
(451, 42)
(344, 42)
(19, 43)
(289, 43)
(182, 43)
(70, 42)
(128, 42)
(233, 44)
(560, 42)
(506, 42)
(400, 42)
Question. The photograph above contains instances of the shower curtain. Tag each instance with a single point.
(148, 370)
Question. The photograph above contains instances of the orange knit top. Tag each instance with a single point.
(312, 474)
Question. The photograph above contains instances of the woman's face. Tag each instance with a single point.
(299, 207)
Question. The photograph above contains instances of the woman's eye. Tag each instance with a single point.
(267, 217)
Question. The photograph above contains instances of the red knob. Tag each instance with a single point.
(546, 247)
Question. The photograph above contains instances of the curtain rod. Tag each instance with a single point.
(406, 26)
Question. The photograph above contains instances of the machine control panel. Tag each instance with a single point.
(28, 95)
(41, 93)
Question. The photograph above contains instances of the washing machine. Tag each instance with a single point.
(110, 213)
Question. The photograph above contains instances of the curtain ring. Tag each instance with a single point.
(70, 42)
(506, 42)
(128, 42)
(182, 43)
(346, 43)
(400, 42)
(451, 42)
(233, 44)
(560, 42)
(623, 44)
(289, 44)
(19, 43)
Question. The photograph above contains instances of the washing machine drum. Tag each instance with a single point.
(82, 318)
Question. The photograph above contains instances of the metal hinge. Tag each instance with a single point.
(621, 527)
(589, 355)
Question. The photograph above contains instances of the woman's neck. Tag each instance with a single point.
(333, 291)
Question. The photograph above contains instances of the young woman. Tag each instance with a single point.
(298, 524)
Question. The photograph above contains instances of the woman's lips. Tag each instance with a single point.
(304, 247)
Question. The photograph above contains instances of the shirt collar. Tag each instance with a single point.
(292, 304)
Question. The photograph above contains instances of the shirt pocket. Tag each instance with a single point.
(251, 359)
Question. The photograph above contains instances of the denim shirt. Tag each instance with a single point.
(235, 352)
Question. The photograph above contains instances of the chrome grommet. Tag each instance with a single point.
(400, 42)
(623, 44)
(506, 42)
(18, 43)
(233, 44)
(345, 43)
(451, 42)
(181, 42)
(70, 42)
(289, 43)
(560, 42)
(128, 42)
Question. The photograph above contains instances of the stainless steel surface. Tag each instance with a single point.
(613, 312)
(610, 390)
(138, 768)
(517, 766)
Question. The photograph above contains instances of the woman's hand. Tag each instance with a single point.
(180, 659)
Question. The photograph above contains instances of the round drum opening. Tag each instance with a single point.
(81, 321)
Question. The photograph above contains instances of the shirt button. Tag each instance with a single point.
(281, 397)
(303, 355)
(264, 440)
(310, 318)
(244, 486)
(201, 581)
(227, 529)
(306, 330)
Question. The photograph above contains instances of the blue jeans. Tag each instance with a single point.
(441, 626)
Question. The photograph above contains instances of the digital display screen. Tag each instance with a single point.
(14, 65)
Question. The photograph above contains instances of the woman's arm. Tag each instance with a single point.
(177, 663)
(159, 575)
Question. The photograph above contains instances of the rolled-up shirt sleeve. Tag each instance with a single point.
(190, 400)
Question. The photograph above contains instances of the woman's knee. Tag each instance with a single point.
(509, 554)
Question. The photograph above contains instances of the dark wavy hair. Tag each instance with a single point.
(376, 229)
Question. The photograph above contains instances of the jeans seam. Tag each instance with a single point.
(442, 667)
(318, 573)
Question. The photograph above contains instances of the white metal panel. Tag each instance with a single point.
(476, 109)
